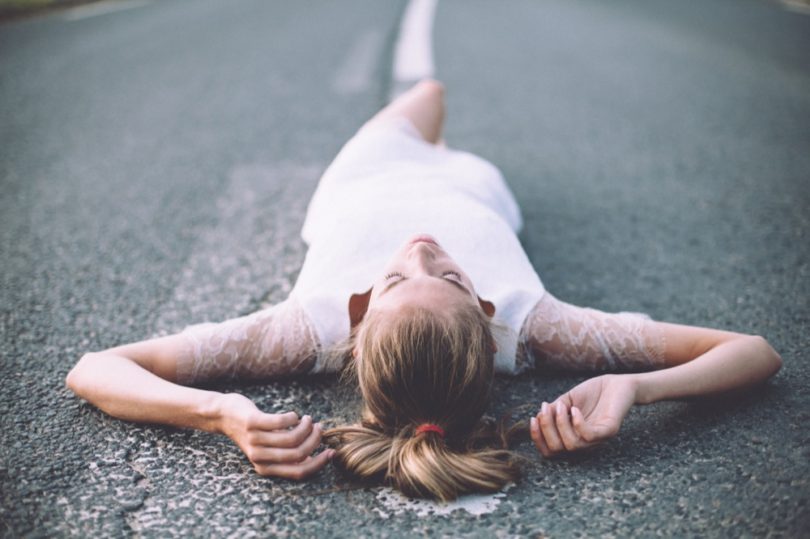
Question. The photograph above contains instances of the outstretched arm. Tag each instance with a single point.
(707, 362)
(694, 362)
(138, 382)
(135, 382)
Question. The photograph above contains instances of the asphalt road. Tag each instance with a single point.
(156, 162)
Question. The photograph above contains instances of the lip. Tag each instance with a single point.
(423, 238)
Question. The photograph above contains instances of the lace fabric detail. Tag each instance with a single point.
(276, 341)
(560, 335)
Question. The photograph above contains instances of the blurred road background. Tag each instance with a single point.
(155, 162)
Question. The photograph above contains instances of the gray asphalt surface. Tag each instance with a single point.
(155, 166)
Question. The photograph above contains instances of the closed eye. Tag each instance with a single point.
(393, 274)
(456, 281)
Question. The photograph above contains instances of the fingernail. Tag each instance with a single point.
(544, 408)
(317, 426)
(533, 423)
(559, 406)
(306, 417)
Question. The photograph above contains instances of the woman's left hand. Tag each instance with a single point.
(588, 414)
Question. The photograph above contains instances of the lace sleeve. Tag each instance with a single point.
(560, 335)
(276, 341)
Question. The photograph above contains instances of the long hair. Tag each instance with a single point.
(416, 367)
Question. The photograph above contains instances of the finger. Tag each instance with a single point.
(298, 471)
(570, 439)
(267, 455)
(537, 437)
(578, 420)
(283, 438)
(262, 421)
(592, 433)
(549, 429)
(565, 398)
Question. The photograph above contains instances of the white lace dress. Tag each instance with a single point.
(386, 185)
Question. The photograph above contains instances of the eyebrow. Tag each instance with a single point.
(450, 281)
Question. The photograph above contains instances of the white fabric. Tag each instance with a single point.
(386, 185)
(277, 341)
(563, 336)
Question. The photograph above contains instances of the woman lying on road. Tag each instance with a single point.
(424, 330)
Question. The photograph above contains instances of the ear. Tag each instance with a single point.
(358, 305)
(489, 309)
(487, 306)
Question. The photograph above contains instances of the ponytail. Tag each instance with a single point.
(425, 465)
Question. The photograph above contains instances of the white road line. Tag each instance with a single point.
(796, 6)
(355, 73)
(395, 503)
(413, 54)
(249, 256)
(102, 8)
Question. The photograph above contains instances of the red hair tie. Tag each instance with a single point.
(430, 427)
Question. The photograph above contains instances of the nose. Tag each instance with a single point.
(421, 256)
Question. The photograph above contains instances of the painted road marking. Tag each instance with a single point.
(413, 53)
(796, 6)
(102, 8)
(248, 257)
(395, 503)
(355, 73)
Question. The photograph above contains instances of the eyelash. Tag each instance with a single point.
(398, 274)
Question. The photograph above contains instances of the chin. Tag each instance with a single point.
(426, 238)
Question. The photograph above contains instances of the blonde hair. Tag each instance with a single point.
(418, 367)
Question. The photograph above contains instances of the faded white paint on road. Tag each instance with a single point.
(249, 258)
(413, 53)
(395, 503)
(355, 74)
(102, 8)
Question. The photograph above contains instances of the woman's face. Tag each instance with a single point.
(422, 273)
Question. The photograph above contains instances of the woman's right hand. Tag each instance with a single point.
(277, 445)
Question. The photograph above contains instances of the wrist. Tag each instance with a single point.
(630, 385)
(646, 390)
(212, 412)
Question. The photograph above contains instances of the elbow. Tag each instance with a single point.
(771, 357)
(72, 380)
(76, 379)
